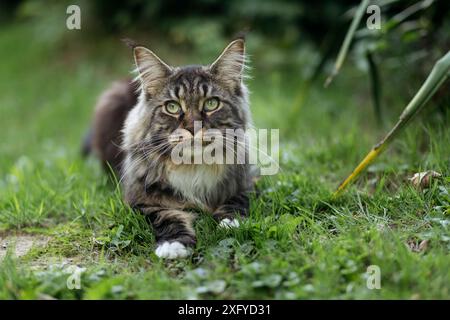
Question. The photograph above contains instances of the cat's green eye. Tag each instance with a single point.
(172, 107)
(211, 104)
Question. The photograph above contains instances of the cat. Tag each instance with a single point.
(131, 133)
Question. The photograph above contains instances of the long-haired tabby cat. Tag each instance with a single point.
(131, 131)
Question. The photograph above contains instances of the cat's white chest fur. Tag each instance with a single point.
(196, 182)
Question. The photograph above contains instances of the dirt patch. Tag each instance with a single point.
(45, 263)
(21, 244)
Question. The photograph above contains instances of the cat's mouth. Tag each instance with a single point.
(201, 137)
(189, 141)
(193, 146)
(205, 147)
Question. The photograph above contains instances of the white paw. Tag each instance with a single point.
(172, 250)
(228, 223)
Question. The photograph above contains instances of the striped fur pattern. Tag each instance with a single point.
(169, 194)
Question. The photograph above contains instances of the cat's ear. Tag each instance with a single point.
(153, 72)
(229, 66)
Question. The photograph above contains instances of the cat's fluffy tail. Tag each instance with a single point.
(104, 137)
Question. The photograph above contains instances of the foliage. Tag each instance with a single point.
(408, 31)
(296, 243)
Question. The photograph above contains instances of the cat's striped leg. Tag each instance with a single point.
(173, 231)
(227, 213)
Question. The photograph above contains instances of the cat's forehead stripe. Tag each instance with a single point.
(177, 92)
(204, 89)
(190, 83)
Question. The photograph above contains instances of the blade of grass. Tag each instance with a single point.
(435, 79)
(347, 41)
(405, 14)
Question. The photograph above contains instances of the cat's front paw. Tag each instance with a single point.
(172, 250)
(229, 223)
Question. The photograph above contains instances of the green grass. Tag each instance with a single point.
(296, 244)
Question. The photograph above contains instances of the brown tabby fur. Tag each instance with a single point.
(130, 126)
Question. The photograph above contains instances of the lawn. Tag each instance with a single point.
(58, 210)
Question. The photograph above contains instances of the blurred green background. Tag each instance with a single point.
(296, 244)
(288, 40)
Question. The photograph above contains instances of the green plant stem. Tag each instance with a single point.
(436, 78)
(347, 41)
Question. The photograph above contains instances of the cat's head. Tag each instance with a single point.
(177, 99)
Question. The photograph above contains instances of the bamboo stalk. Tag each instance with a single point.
(434, 81)
(347, 41)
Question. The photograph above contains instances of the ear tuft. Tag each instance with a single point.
(241, 34)
(152, 70)
(130, 43)
(229, 66)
